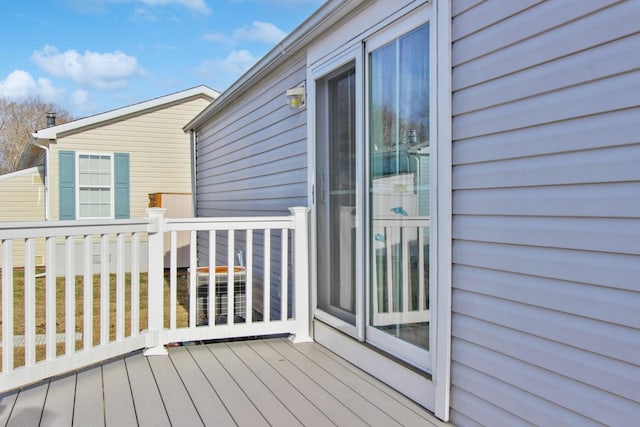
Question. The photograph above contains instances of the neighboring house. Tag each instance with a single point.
(480, 156)
(106, 166)
(22, 194)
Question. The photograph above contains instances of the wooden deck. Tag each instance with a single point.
(246, 383)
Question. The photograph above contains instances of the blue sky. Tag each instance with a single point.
(91, 56)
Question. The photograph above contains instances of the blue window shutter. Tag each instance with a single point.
(121, 172)
(67, 184)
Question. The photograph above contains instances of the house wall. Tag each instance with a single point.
(159, 151)
(252, 160)
(22, 195)
(546, 250)
(252, 157)
(22, 198)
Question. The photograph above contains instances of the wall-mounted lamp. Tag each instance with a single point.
(296, 96)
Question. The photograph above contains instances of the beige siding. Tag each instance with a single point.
(22, 198)
(546, 252)
(22, 195)
(159, 151)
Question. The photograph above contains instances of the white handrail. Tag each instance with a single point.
(112, 255)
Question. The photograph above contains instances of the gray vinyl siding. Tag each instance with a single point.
(252, 156)
(546, 213)
(252, 160)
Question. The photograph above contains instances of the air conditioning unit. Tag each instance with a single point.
(221, 296)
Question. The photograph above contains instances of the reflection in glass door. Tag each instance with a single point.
(336, 198)
(399, 192)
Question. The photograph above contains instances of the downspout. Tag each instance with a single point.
(193, 136)
(46, 177)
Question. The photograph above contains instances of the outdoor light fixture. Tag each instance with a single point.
(296, 96)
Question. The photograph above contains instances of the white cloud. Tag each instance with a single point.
(237, 62)
(144, 15)
(98, 6)
(217, 37)
(260, 32)
(20, 84)
(80, 100)
(49, 92)
(101, 70)
(224, 71)
(194, 5)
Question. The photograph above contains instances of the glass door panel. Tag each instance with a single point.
(336, 184)
(399, 193)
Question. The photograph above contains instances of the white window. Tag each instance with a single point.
(95, 186)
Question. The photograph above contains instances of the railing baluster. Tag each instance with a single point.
(173, 279)
(421, 290)
(7, 306)
(231, 282)
(135, 284)
(50, 297)
(389, 261)
(70, 295)
(193, 279)
(104, 289)
(267, 275)
(211, 295)
(30, 303)
(406, 268)
(87, 328)
(248, 278)
(284, 270)
(120, 294)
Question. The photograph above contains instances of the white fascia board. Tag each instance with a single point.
(54, 131)
(327, 15)
(31, 170)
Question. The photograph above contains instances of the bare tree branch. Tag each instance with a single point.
(18, 119)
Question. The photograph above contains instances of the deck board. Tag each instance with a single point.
(89, 402)
(383, 397)
(176, 398)
(58, 408)
(254, 382)
(148, 403)
(365, 410)
(329, 405)
(210, 407)
(300, 406)
(6, 406)
(27, 409)
(118, 401)
(235, 400)
(265, 401)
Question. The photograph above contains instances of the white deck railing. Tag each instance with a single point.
(55, 319)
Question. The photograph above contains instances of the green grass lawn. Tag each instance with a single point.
(19, 312)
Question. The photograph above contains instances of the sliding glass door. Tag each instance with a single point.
(372, 191)
(399, 195)
(336, 186)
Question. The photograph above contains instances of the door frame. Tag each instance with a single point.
(352, 54)
(433, 392)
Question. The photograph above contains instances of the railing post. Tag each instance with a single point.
(301, 274)
(155, 346)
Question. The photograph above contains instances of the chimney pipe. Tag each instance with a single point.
(51, 119)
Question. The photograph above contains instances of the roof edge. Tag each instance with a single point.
(327, 15)
(19, 172)
(54, 131)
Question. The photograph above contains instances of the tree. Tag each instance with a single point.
(18, 120)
